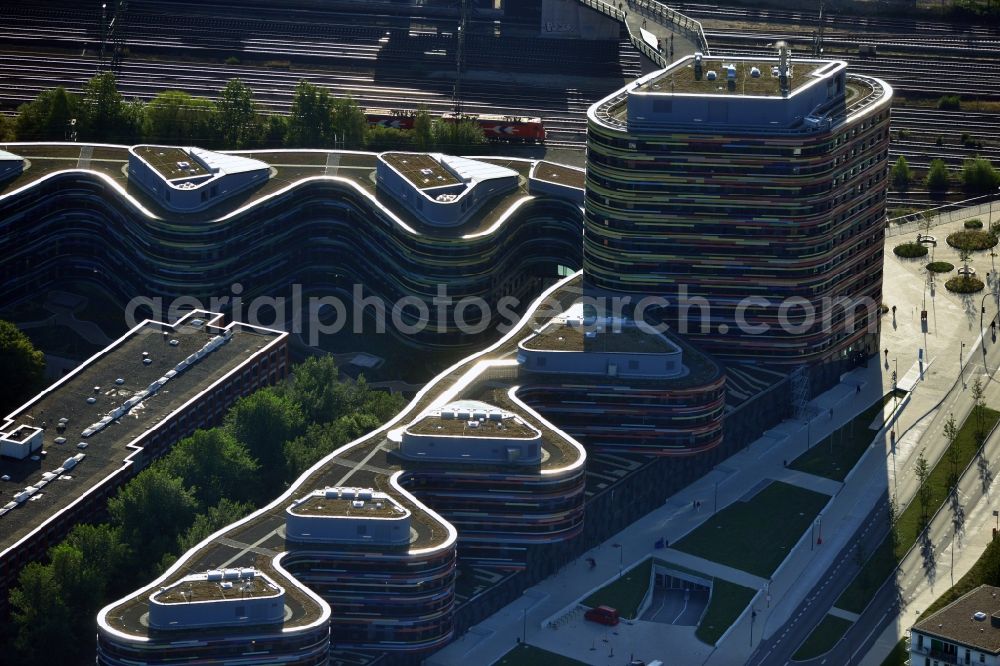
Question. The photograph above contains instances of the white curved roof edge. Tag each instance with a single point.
(295, 487)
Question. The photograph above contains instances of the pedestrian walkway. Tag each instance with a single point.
(709, 568)
(655, 30)
(561, 593)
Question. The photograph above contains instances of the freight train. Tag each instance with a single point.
(511, 129)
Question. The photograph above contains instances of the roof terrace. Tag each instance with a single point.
(731, 76)
(421, 170)
(171, 163)
(348, 503)
(219, 585)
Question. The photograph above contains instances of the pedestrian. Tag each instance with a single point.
(831, 413)
(859, 388)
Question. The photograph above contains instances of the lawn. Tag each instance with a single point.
(835, 456)
(823, 638)
(727, 602)
(625, 593)
(756, 535)
(909, 524)
(529, 655)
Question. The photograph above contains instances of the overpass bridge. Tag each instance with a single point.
(660, 33)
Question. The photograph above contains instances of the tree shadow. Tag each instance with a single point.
(957, 512)
(927, 557)
(985, 474)
(970, 309)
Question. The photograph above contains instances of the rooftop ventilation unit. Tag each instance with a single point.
(711, 75)
(358, 504)
(755, 72)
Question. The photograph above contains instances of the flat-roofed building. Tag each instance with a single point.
(966, 631)
(80, 439)
(749, 193)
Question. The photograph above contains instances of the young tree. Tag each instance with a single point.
(923, 472)
(952, 453)
(239, 123)
(938, 179)
(175, 117)
(310, 124)
(901, 174)
(48, 116)
(423, 135)
(348, 123)
(978, 175)
(22, 366)
(103, 110)
(978, 392)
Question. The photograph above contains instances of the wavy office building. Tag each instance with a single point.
(319, 222)
(745, 192)
(361, 550)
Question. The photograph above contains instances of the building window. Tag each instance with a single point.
(362, 530)
(633, 365)
(540, 361)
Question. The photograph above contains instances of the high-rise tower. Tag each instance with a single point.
(750, 194)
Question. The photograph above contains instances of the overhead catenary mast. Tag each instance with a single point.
(463, 21)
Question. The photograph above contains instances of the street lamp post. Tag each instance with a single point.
(524, 625)
(961, 368)
(621, 557)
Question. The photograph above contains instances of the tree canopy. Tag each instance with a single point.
(21, 364)
(938, 179)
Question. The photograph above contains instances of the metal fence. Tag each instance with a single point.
(983, 206)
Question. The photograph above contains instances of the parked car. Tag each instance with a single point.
(603, 615)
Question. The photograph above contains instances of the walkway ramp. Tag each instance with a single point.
(658, 32)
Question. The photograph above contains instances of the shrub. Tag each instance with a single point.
(232, 60)
(972, 240)
(940, 267)
(974, 224)
(950, 103)
(909, 250)
(901, 175)
(978, 175)
(964, 285)
(938, 179)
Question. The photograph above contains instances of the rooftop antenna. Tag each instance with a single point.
(784, 65)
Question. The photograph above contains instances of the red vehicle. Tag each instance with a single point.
(602, 615)
(394, 118)
(513, 129)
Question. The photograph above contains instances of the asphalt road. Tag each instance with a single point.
(920, 566)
